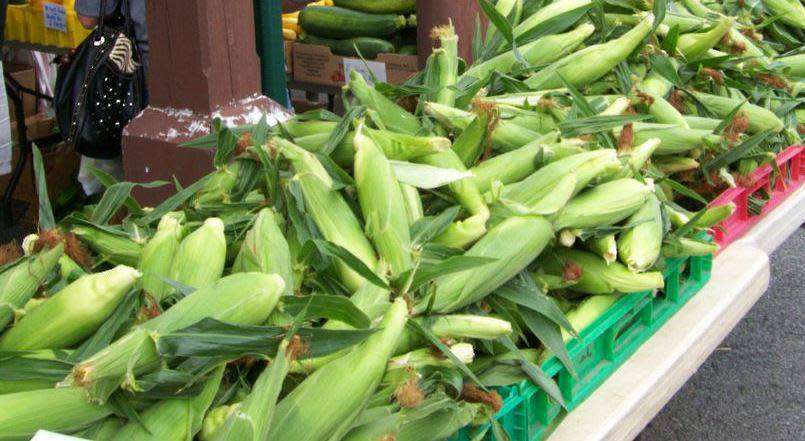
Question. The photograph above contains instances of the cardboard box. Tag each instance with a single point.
(318, 65)
(288, 57)
(61, 168)
(26, 76)
(37, 126)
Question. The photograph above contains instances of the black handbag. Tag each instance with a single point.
(101, 88)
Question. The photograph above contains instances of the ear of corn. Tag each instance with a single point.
(464, 190)
(472, 141)
(605, 204)
(219, 187)
(329, 211)
(251, 419)
(382, 204)
(215, 420)
(446, 64)
(604, 246)
(324, 405)
(453, 327)
(546, 13)
(637, 158)
(244, 298)
(760, 118)
(794, 64)
(674, 164)
(265, 250)
(405, 147)
(511, 166)
(116, 249)
(420, 358)
(69, 270)
(505, 137)
(457, 290)
(394, 117)
(20, 282)
(541, 51)
(398, 146)
(657, 87)
(673, 140)
(700, 122)
(688, 247)
(73, 314)
(639, 246)
(593, 62)
(586, 167)
(791, 12)
(463, 233)
(713, 215)
(587, 312)
(174, 420)
(598, 277)
(104, 430)
(412, 202)
(67, 411)
(158, 256)
(199, 261)
(694, 45)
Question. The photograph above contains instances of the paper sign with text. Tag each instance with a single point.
(364, 67)
(55, 16)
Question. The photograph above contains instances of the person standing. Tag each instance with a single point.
(89, 12)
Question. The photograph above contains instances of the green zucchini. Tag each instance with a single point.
(379, 6)
(369, 47)
(335, 22)
(408, 49)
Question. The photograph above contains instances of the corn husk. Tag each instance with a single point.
(265, 250)
(598, 277)
(20, 282)
(382, 204)
(72, 314)
(173, 420)
(114, 248)
(460, 289)
(243, 298)
(639, 247)
(324, 405)
(199, 260)
(605, 204)
(329, 211)
(158, 256)
(66, 410)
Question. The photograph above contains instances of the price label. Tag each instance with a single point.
(364, 68)
(55, 16)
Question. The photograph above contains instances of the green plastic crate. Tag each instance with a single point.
(530, 414)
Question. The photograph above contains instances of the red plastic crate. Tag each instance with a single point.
(791, 162)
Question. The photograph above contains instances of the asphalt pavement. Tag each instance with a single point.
(752, 388)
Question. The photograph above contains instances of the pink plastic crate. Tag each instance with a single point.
(792, 166)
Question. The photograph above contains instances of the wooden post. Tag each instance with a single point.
(204, 65)
(270, 47)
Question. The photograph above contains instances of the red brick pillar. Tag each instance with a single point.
(432, 13)
(203, 66)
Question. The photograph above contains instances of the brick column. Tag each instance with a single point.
(432, 13)
(204, 65)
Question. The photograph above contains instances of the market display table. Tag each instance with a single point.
(623, 405)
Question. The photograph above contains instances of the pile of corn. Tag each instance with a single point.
(290, 21)
(375, 276)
